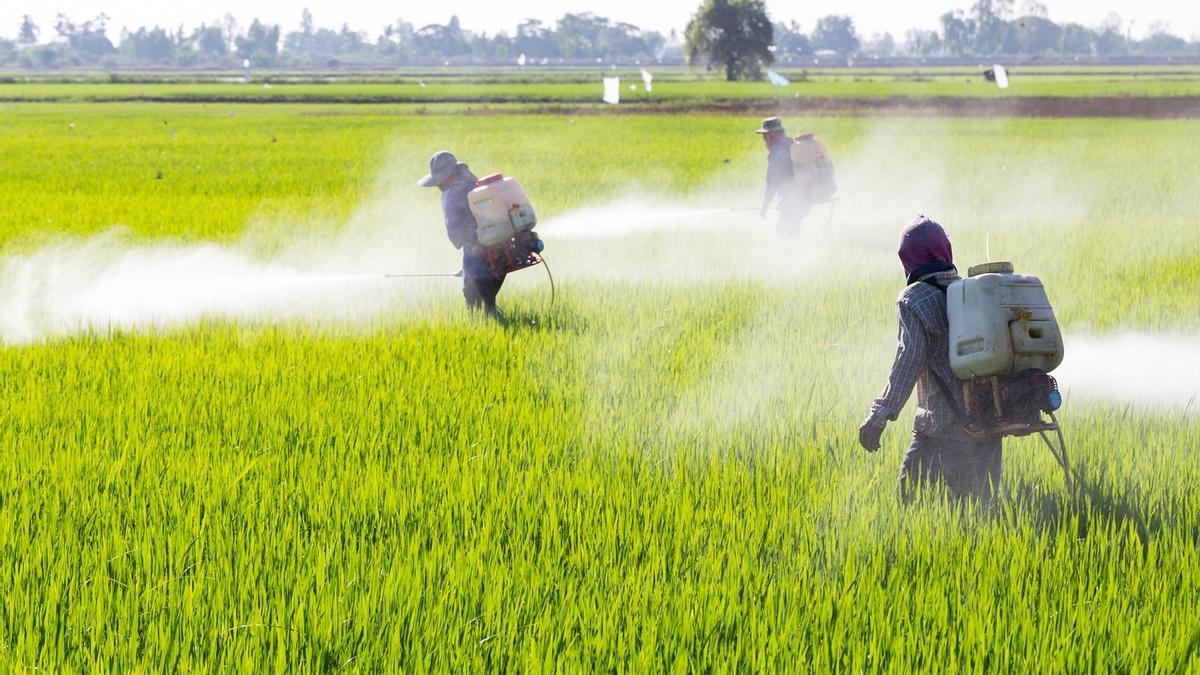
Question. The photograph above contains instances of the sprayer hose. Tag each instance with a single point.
(1059, 453)
(550, 276)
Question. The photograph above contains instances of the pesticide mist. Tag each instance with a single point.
(1140, 369)
(711, 234)
(108, 282)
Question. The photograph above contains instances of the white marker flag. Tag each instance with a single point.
(1001, 76)
(647, 79)
(612, 90)
(777, 79)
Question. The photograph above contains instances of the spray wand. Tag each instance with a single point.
(457, 274)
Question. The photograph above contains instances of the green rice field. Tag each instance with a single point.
(671, 84)
(657, 472)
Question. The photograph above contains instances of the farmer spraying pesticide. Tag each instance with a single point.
(491, 220)
(978, 351)
(799, 175)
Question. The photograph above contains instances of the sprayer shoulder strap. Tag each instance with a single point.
(941, 384)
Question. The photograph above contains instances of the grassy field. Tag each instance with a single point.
(657, 473)
(671, 84)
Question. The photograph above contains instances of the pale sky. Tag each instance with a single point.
(870, 16)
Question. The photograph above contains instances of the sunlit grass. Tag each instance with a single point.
(648, 476)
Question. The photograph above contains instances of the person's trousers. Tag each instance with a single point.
(968, 468)
(791, 217)
(481, 291)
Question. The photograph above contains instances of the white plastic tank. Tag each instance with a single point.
(1001, 324)
(501, 209)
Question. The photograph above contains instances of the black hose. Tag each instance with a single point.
(553, 293)
(1060, 453)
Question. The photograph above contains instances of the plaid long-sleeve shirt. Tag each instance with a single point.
(921, 355)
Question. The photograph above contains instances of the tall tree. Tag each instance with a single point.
(260, 44)
(535, 40)
(734, 33)
(922, 42)
(210, 41)
(1037, 35)
(442, 41)
(992, 30)
(87, 39)
(958, 32)
(1111, 38)
(791, 40)
(1075, 40)
(836, 33)
(149, 46)
(1159, 41)
(28, 33)
(398, 40)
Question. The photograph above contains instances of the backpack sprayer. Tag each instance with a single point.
(1004, 341)
(812, 168)
(505, 221)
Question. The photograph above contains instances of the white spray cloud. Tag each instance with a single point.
(108, 281)
(710, 234)
(1142, 369)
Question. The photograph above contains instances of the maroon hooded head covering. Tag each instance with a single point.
(924, 249)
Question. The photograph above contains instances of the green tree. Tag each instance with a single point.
(86, 40)
(442, 41)
(958, 32)
(210, 41)
(1110, 39)
(28, 33)
(791, 40)
(1075, 40)
(8, 51)
(734, 33)
(922, 42)
(836, 33)
(1038, 35)
(149, 46)
(535, 40)
(398, 41)
(993, 34)
(1160, 41)
(260, 44)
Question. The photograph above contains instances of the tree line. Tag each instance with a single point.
(738, 36)
(224, 43)
(735, 35)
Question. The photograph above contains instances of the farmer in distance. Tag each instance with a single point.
(799, 175)
(941, 449)
(455, 180)
(782, 187)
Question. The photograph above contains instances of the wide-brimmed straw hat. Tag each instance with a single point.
(441, 166)
(771, 124)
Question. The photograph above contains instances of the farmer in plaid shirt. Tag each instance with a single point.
(941, 449)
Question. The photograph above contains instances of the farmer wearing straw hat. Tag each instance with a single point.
(480, 283)
(781, 180)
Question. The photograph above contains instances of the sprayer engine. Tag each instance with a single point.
(516, 253)
(1011, 405)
